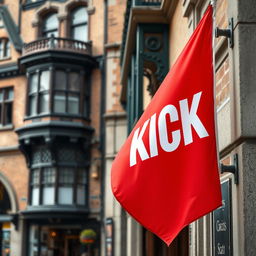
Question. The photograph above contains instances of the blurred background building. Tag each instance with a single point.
(54, 57)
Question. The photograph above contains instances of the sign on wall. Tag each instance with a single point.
(222, 223)
(109, 237)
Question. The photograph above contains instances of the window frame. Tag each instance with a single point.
(5, 49)
(43, 25)
(5, 101)
(72, 26)
(83, 92)
(60, 166)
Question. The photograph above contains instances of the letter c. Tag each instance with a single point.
(163, 135)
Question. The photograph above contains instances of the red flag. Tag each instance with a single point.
(166, 173)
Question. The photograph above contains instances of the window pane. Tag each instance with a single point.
(45, 80)
(82, 176)
(73, 104)
(66, 176)
(33, 80)
(81, 195)
(80, 33)
(79, 15)
(74, 81)
(59, 103)
(9, 94)
(8, 113)
(60, 80)
(65, 195)
(43, 103)
(49, 175)
(50, 24)
(32, 105)
(35, 196)
(1, 95)
(48, 195)
(35, 177)
(7, 49)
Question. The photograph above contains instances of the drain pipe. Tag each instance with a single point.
(103, 66)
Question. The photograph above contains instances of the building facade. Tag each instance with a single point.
(154, 34)
(59, 60)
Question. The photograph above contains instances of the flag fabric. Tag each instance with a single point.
(166, 174)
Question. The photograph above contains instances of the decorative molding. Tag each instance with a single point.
(10, 70)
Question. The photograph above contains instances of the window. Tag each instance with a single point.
(6, 101)
(38, 92)
(63, 184)
(50, 25)
(66, 92)
(79, 28)
(4, 49)
(58, 92)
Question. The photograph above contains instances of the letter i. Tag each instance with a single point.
(152, 137)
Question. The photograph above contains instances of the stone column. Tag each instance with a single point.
(244, 123)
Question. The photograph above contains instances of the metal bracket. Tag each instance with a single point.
(231, 168)
(229, 32)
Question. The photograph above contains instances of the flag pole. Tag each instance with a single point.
(213, 4)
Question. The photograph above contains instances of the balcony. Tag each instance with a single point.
(57, 44)
(57, 49)
(147, 2)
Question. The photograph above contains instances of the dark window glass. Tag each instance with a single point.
(59, 102)
(65, 93)
(49, 176)
(38, 93)
(33, 83)
(50, 25)
(8, 113)
(45, 80)
(44, 103)
(60, 80)
(74, 81)
(6, 52)
(79, 28)
(4, 48)
(62, 185)
(73, 103)
(6, 101)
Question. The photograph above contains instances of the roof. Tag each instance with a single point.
(11, 27)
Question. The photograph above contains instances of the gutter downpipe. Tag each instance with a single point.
(103, 67)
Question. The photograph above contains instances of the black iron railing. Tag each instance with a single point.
(59, 44)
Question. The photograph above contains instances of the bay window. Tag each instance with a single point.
(58, 92)
(63, 183)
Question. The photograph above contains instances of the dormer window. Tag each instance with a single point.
(4, 48)
(50, 25)
(79, 28)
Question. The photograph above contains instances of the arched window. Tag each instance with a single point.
(79, 28)
(50, 25)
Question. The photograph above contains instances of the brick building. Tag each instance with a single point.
(155, 32)
(59, 60)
